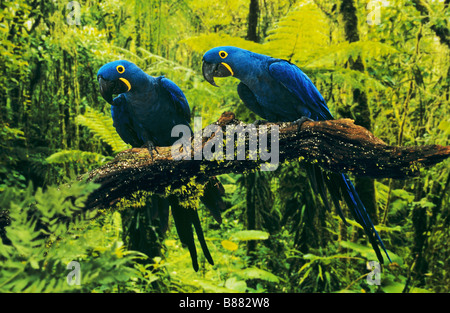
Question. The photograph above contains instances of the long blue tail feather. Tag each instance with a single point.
(340, 186)
(360, 214)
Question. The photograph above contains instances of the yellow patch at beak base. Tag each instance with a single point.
(126, 82)
(228, 68)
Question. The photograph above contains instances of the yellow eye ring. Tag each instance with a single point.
(223, 54)
(120, 69)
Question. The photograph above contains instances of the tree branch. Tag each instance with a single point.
(335, 145)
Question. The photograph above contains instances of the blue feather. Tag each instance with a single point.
(178, 98)
(123, 123)
(309, 100)
(360, 215)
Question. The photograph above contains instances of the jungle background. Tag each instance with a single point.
(385, 64)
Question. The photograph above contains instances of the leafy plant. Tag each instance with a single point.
(47, 231)
(54, 123)
(101, 127)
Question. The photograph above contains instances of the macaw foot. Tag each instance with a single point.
(151, 146)
(260, 122)
(301, 120)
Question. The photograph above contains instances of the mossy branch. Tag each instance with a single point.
(335, 145)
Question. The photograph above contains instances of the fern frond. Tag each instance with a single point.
(33, 260)
(133, 57)
(344, 76)
(299, 33)
(102, 127)
(303, 37)
(162, 65)
(341, 53)
(205, 42)
(77, 156)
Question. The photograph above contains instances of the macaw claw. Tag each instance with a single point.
(301, 120)
(151, 146)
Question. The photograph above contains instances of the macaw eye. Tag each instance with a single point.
(120, 69)
(223, 54)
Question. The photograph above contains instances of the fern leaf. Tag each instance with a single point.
(342, 76)
(72, 156)
(299, 33)
(341, 53)
(256, 273)
(34, 261)
(205, 42)
(102, 127)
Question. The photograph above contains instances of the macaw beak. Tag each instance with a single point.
(110, 87)
(211, 70)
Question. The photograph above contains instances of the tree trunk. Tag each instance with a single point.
(364, 185)
(250, 178)
(253, 15)
(251, 186)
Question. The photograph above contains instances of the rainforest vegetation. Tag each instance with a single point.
(384, 64)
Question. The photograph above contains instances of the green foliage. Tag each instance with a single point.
(10, 177)
(40, 242)
(101, 126)
(250, 235)
(54, 123)
(232, 271)
(74, 156)
(298, 35)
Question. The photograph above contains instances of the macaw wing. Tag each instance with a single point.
(123, 123)
(294, 80)
(178, 97)
(249, 100)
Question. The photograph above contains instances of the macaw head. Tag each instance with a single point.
(224, 61)
(117, 77)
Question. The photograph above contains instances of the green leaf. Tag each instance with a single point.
(209, 287)
(368, 252)
(102, 127)
(235, 284)
(245, 235)
(72, 156)
(445, 126)
(364, 251)
(390, 286)
(229, 245)
(256, 273)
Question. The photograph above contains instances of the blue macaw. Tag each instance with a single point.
(278, 91)
(146, 108)
(144, 113)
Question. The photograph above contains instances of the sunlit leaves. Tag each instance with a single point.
(245, 235)
(256, 273)
(229, 245)
(77, 156)
(48, 82)
(42, 242)
(299, 33)
(101, 126)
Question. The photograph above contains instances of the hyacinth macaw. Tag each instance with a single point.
(278, 91)
(144, 113)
